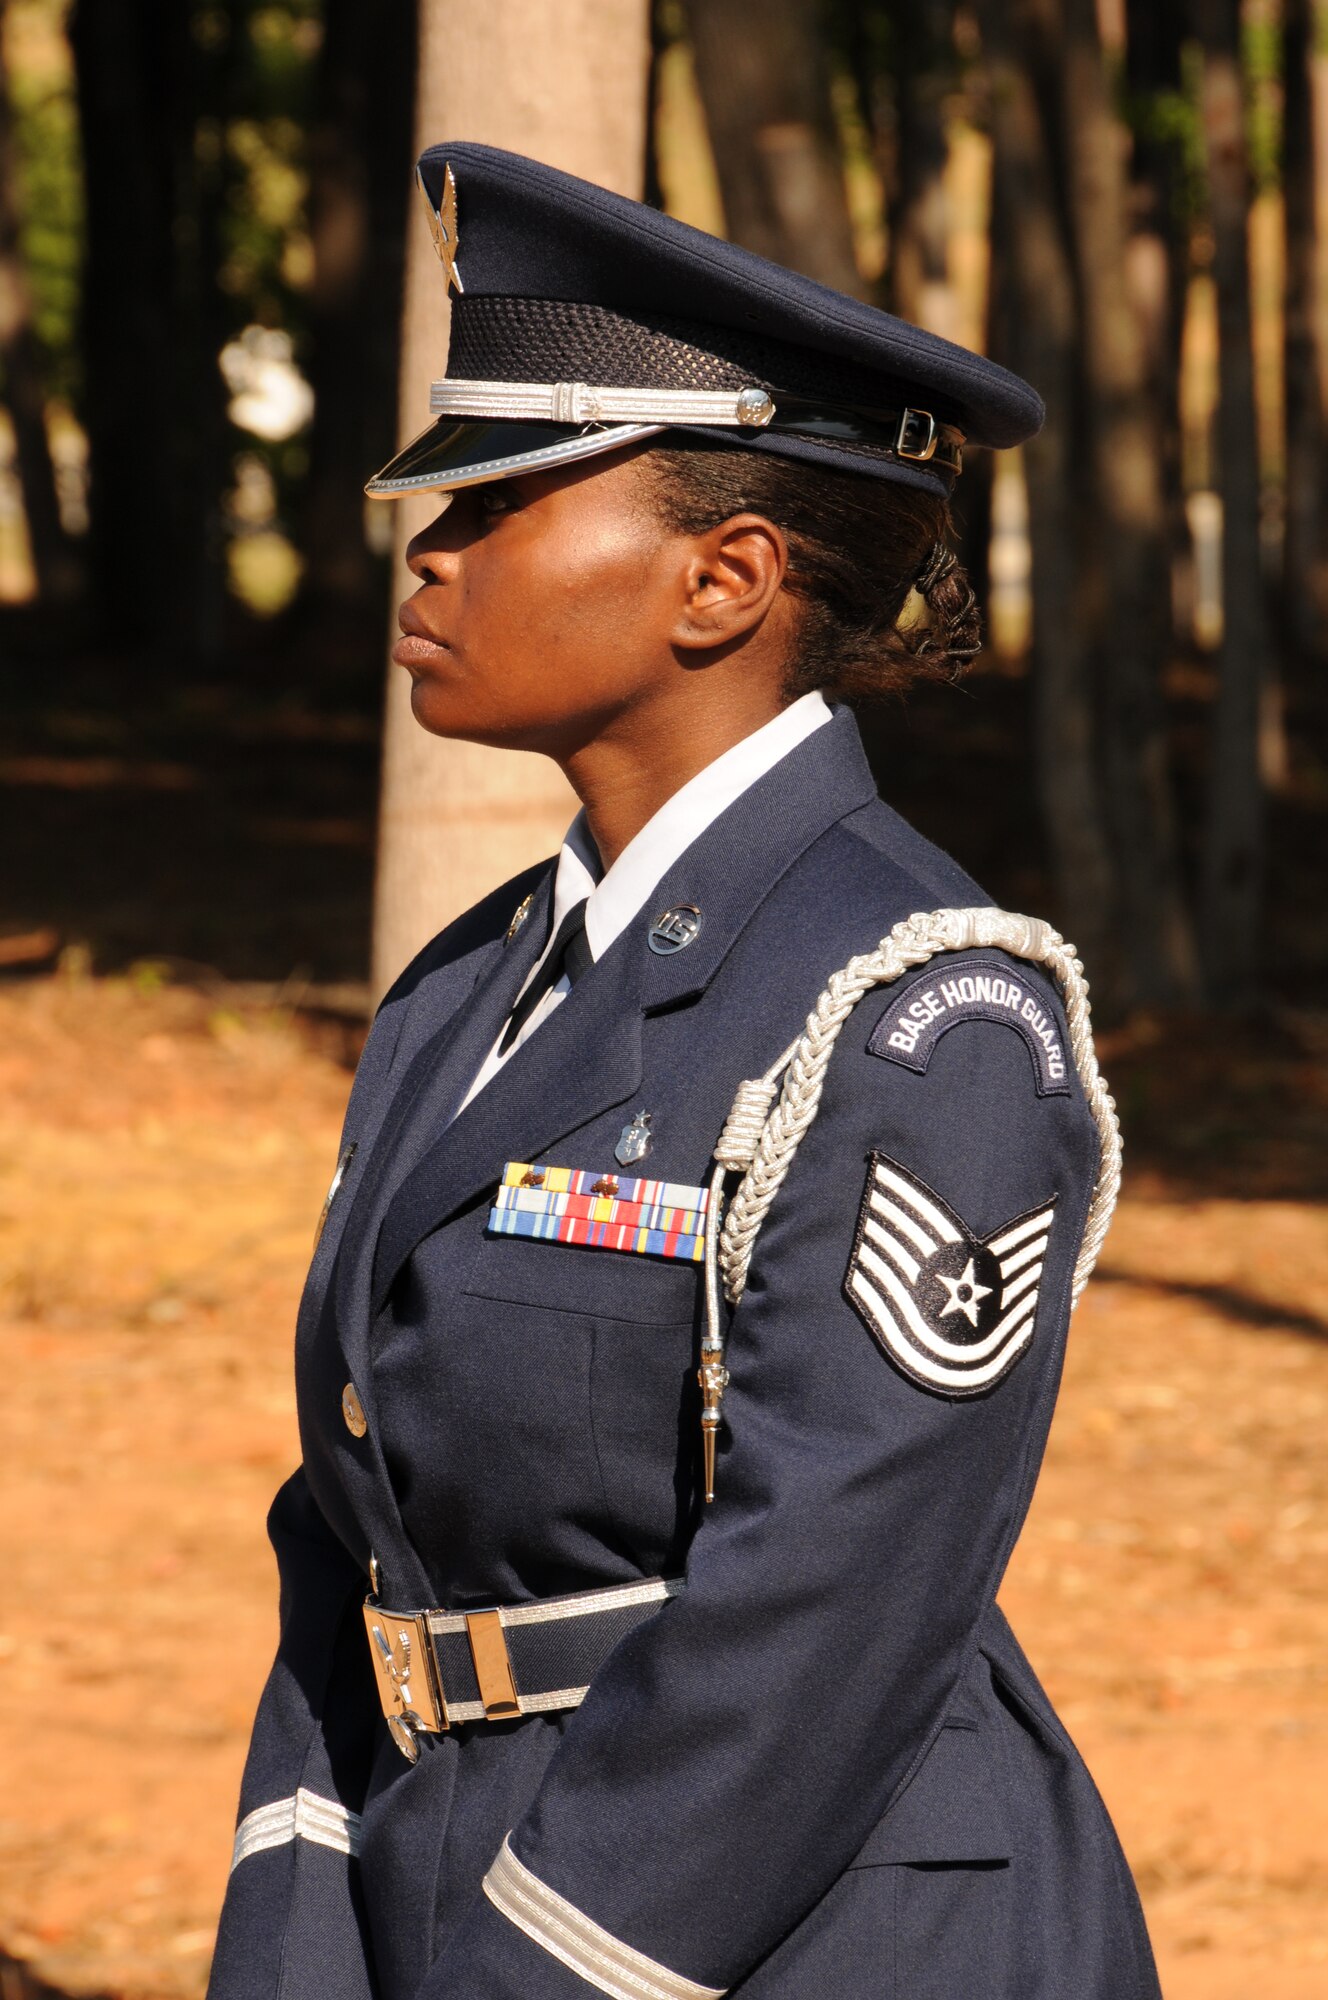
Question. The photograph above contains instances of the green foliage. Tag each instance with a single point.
(1261, 57)
(266, 255)
(51, 203)
(1171, 119)
(266, 263)
(1174, 117)
(862, 37)
(148, 975)
(249, 103)
(669, 22)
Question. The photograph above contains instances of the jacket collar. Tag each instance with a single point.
(587, 1056)
(731, 869)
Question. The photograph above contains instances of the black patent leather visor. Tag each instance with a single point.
(451, 454)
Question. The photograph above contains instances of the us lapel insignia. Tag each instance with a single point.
(601, 1211)
(675, 930)
(519, 915)
(952, 1310)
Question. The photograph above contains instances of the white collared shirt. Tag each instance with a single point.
(616, 895)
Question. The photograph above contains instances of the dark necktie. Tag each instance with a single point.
(569, 953)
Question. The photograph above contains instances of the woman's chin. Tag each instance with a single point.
(439, 710)
(435, 712)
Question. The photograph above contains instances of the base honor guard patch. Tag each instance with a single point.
(952, 1310)
(601, 1211)
(982, 990)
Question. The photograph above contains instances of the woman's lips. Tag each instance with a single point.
(413, 651)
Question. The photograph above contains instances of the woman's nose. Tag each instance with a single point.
(431, 555)
(430, 563)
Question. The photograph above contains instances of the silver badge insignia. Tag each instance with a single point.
(675, 929)
(634, 1141)
(953, 1311)
(443, 225)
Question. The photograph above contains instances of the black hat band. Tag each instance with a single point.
(910, 434)
(569, 354)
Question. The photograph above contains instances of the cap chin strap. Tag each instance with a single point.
(914, 435)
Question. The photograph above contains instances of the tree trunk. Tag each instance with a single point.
(1233, 831)
(128, 59)
(765, 87)
(918, 219)
(1158, 252)
(152, 99)
(1133, 626)
(55, 563)
(663, 33)
(359, 180)
(199, 436)
(1030, 251)
(1318, 85)
(568, 86)
(1305, 558)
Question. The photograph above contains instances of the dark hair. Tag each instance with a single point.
(857, 547)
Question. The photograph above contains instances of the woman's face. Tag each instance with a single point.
(547, 604)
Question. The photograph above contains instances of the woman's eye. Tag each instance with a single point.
(497, 498)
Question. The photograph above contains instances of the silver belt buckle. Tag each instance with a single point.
(406, 1670)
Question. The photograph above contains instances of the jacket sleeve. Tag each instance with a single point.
(734, 1753)
(291, 1923)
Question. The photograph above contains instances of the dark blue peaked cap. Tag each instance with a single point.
(582, 320)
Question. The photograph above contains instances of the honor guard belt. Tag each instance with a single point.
(437, 1668)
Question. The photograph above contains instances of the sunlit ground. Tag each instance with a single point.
(154, 1226)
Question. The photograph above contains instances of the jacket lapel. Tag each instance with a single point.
(438, 1074)
(584, 1059)
(587, 1056)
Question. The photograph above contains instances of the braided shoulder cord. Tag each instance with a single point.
(762, 1143)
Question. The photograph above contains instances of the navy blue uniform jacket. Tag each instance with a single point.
(825, 1768)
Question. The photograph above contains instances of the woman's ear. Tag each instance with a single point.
(731, 578)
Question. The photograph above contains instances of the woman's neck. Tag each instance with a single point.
(626, 774)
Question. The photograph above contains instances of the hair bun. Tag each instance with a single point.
(938, 565)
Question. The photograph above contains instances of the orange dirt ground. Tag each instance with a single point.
(164, 1158)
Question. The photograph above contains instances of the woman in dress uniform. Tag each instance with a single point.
(545, 1720)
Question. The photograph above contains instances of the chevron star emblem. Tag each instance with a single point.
(952, 1310)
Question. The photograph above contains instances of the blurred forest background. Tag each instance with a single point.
(218, 315)
(203, 216)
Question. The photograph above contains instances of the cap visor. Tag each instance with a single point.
(451, 454)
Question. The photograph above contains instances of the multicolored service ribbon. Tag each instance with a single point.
(601, 1211)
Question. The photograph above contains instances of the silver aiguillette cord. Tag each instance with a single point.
(712, 1375)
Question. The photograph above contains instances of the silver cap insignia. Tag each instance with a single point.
(443, 225)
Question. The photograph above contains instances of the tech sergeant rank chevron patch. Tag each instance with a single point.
(952, 1310)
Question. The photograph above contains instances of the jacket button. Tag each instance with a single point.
(352, 1409)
